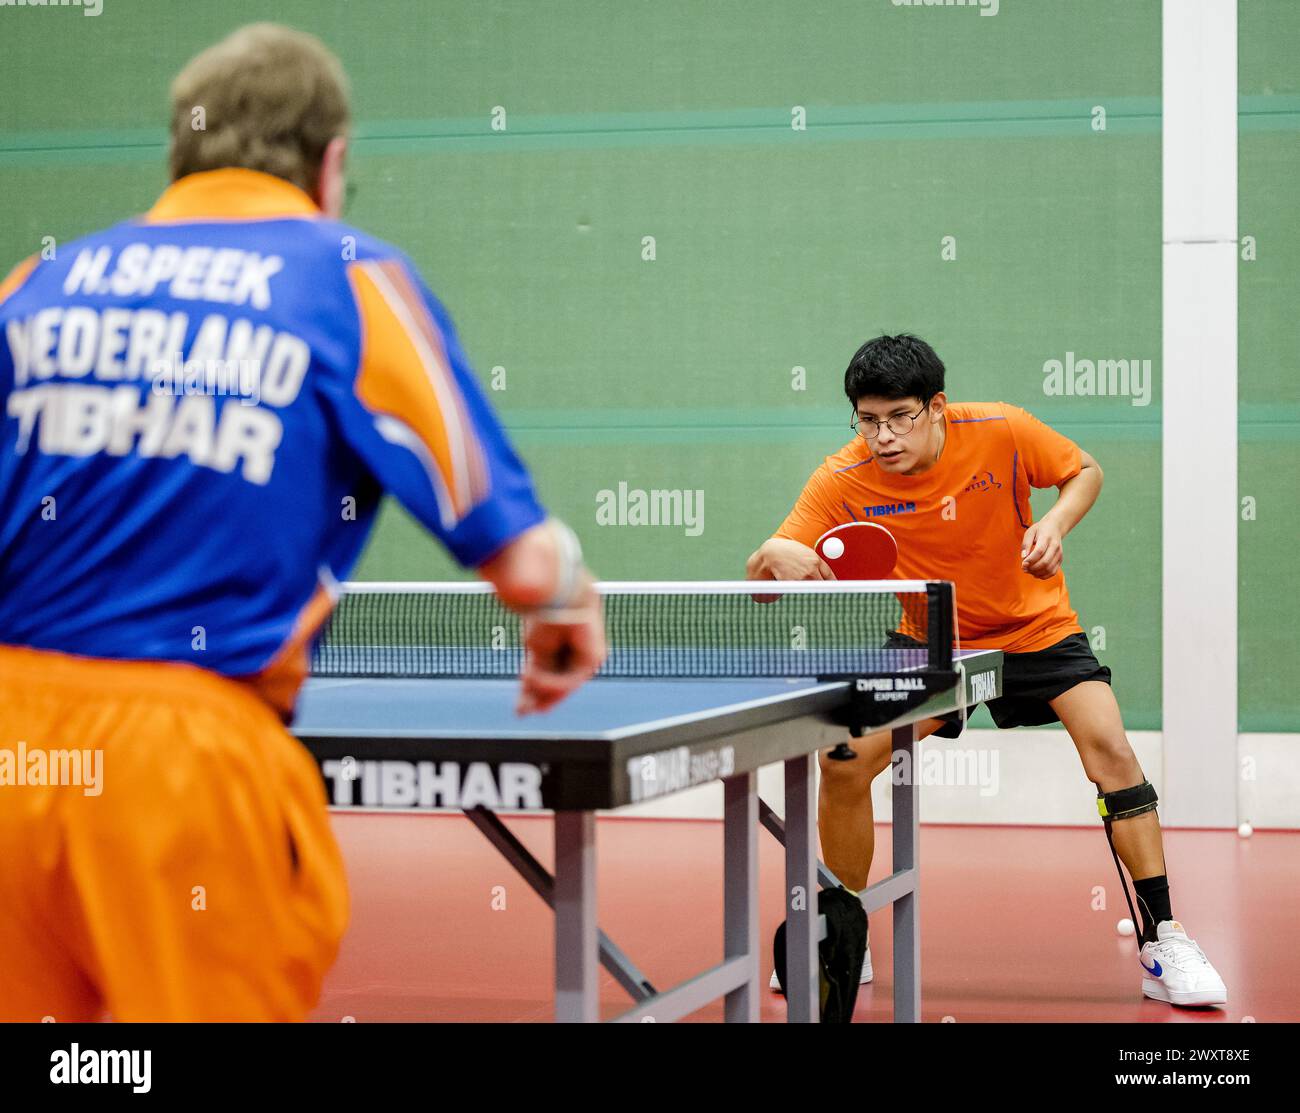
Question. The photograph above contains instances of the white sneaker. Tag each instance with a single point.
(867, 973)
(1178, 971)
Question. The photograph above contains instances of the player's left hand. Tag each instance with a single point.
(1041, 552)
(562, 652)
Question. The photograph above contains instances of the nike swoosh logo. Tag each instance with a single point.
(1152, 969)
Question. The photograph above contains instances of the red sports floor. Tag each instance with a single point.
(443, 930)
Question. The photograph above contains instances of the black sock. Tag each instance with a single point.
(1153, 904)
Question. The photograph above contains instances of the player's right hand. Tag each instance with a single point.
(779, 558)
(560, 656)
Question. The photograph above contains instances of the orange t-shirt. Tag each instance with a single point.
(962, 520)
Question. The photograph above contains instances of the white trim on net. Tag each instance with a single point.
(656, 587)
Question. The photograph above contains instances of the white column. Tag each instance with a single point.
(1199, 519)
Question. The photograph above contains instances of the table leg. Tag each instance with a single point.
(740, 900)
(907, 912)
(576, 970)
(801, 981)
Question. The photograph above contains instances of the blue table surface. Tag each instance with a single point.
(486, 708)
(450, 708)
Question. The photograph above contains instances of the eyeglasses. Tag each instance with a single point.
(900, 424)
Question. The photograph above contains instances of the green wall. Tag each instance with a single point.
(775, 248)
(1268, 352)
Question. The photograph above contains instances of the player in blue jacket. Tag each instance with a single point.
(200, 410)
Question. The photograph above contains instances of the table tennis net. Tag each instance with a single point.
(653, 630)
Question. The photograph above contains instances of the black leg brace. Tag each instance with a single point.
(1126, 803)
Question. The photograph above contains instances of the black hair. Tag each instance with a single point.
(902, 366)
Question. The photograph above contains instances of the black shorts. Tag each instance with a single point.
(1029, 680)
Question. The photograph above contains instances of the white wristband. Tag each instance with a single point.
(570, 582)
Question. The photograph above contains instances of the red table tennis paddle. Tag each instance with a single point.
(858, 551)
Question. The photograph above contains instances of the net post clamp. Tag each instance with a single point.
(877, 698)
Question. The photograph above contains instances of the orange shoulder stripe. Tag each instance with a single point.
(404, 375)
(18, 276)
(419, 313)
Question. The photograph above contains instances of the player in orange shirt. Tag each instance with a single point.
(951, 481)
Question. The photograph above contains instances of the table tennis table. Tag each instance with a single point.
(402, 744)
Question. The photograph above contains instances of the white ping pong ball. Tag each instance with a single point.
(833, 549)
(1125, 926)
(1245, 830)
